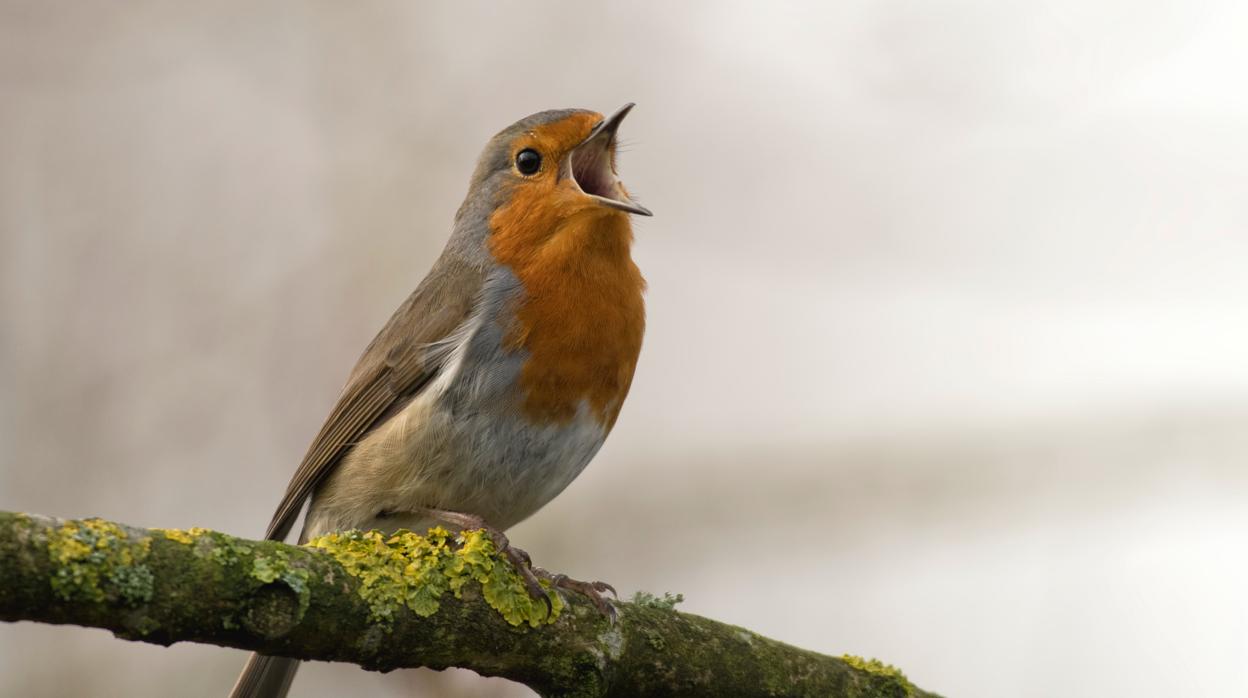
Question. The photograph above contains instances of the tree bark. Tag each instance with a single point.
(437, 600)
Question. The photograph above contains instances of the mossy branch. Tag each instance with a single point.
(383, 603)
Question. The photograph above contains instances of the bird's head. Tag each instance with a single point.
(565, 158)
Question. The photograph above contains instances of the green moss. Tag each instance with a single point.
(415, 571)
(96, 559)
(667, 602)
(890, 682)
(655, 639)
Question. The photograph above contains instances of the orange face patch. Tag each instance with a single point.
(555, 139)
(582, 318)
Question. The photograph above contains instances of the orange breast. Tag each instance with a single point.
(582, 318)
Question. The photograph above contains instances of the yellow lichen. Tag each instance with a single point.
(186, 537)
(96, 558)
(891, 674)
(407, 569)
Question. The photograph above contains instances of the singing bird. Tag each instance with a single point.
(494, 383)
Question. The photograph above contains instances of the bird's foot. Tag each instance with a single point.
(591, 590)
(523, 564)
(530, 575)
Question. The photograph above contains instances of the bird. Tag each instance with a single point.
(497, 380)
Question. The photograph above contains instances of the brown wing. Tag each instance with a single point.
(395, 367)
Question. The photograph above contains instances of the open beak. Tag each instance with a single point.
(592, 166)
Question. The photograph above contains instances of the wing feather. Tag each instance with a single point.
(397, 365)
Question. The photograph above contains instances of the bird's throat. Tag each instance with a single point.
(581, 317)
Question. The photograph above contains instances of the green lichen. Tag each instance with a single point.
(415, 571)
(265, 569)
(227, 550)
(666, 603)
(891, 683)
(97, 559)
(276, 567)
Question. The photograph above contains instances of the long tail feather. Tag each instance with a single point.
(265, 677)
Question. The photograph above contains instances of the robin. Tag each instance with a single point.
(497, 380)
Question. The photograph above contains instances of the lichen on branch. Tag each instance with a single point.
(389, 601)
(415, 571)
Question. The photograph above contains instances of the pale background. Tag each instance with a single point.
(947, 360)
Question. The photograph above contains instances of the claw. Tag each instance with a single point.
(591, 590)
(524, 567)
(523, 556)
(603, 586)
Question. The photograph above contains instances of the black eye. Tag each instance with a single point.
(528, 161)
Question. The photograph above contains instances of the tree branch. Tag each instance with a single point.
(383, 603)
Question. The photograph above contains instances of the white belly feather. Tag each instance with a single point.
(461, 445)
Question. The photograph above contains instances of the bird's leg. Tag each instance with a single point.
(518, 558)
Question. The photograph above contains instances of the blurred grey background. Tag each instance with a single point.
(948, 309)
